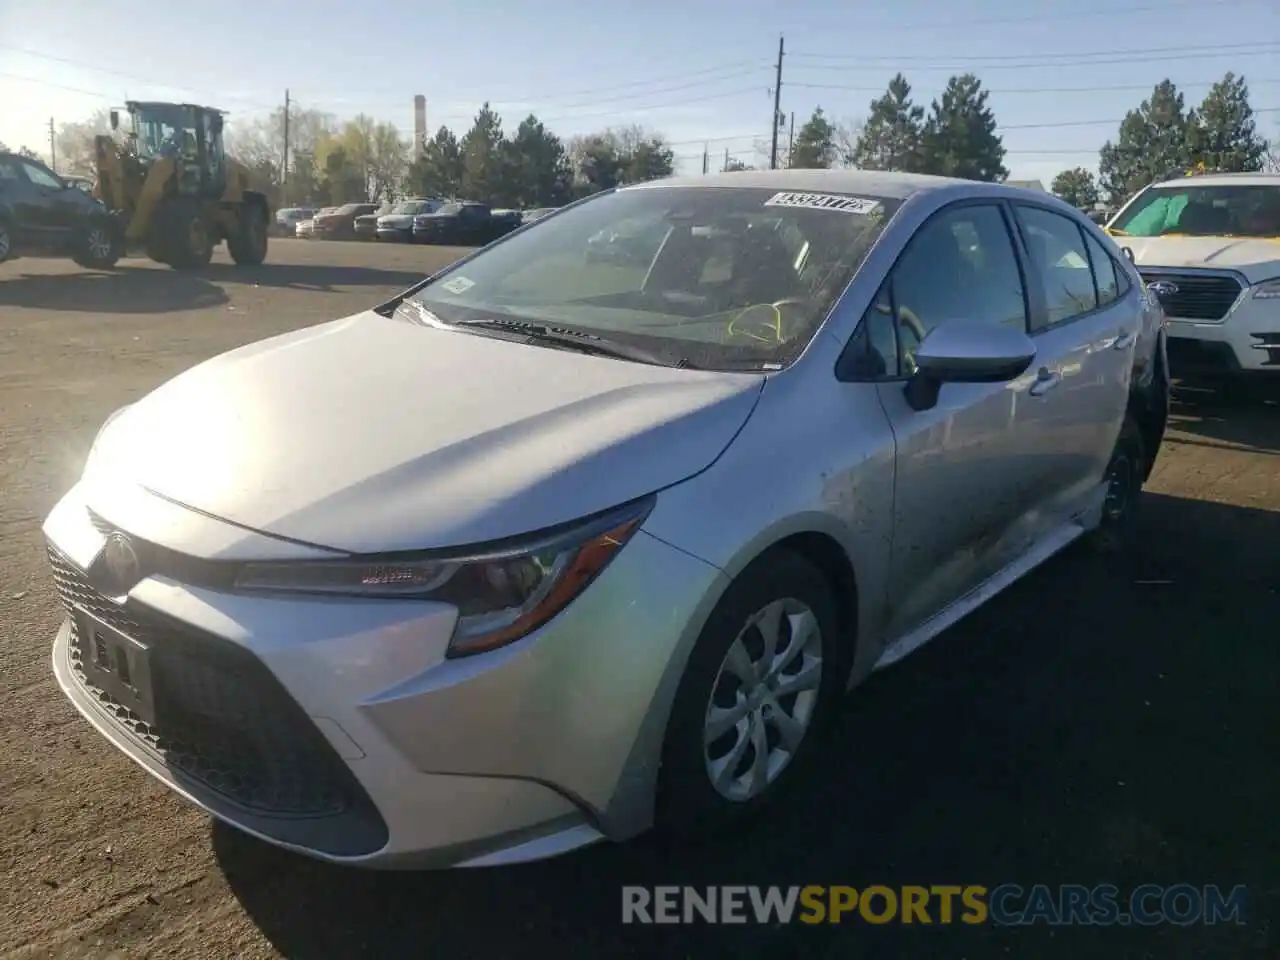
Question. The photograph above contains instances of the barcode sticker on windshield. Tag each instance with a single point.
(458, 285)
(824, 201)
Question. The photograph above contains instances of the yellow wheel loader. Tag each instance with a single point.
(176, 191)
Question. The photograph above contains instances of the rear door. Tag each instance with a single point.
(1084, 330)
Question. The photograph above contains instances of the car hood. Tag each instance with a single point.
(398, 220)
(373, 434)
(1256, 259)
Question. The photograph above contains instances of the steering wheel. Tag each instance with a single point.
(762, 322)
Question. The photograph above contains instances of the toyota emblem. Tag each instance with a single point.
(1163, 288)
(122, 561)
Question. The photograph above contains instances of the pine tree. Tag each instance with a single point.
(1154, 141)
(891, 137)
(815, 146)
(960, 138)
(1226, 136)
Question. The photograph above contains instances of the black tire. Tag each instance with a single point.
(184, 237)
(6, 241)
(1125, 475)
(248, 245)
(688, 804)
(101, 247)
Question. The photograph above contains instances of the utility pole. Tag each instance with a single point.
(726, 158)
(706, 159)
(777, 107)
(791, 138)
(284, 170)
(53, 153)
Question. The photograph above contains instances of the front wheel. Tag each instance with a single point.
(1125, 475)
(183, 237)
(766, 672)
(248, 246)
(6, 241)
(101, 247)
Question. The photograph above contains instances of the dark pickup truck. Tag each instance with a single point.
(463, 224)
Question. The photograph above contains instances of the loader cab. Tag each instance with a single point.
(189, 134)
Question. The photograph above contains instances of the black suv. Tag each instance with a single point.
(43, 215)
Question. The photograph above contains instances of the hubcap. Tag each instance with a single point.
(99, 244)
(763, 699)
(1119, 488)
(4, 243)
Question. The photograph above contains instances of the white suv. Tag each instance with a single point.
(1208, 247)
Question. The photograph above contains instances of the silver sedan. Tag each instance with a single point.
(551, 549)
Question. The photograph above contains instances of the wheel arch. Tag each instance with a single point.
(1149, 405)
(809, 535)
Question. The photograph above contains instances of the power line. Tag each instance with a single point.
(744, 67)
(1040, 57)
(1110, 13)
(1135, 88)
(1033, 62)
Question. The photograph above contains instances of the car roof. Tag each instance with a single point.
(874, 183)
(1224, 180)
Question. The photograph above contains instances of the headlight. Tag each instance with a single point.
(501, 593)
(1267, 290)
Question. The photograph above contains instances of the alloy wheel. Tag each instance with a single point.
(763, 699)
(99, 243)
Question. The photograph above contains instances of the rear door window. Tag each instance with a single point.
(1061, 262)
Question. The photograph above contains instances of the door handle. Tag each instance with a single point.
(1044, 382)
(1123, 340)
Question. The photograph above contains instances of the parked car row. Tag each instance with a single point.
(416, 220)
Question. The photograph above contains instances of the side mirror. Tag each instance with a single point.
(115, 119)
(965, 351)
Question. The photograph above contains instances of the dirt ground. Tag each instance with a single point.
(1099, 722)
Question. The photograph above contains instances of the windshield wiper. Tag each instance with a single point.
(572, 340)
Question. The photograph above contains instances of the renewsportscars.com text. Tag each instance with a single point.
(1004, 905)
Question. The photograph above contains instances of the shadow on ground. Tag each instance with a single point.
(126, 289)
(149, 289)
(1100, 722)
(1245, 416)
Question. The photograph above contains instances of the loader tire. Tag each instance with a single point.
(248, 245)
(184, 237)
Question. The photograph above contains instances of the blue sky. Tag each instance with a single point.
(698, 71)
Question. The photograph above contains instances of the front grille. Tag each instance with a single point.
(223, 722)
(1204, 297)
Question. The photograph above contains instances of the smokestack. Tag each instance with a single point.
(419, 125)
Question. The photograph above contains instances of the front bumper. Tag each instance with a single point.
(1245, 342)
(336, 728)
(395, 235)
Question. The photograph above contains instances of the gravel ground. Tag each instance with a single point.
(1099, 722)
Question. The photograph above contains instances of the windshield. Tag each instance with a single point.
(163, 130)
(1204, 211)
(718, 277)
(412, 206)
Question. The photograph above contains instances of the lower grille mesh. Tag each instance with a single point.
(223, 721)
